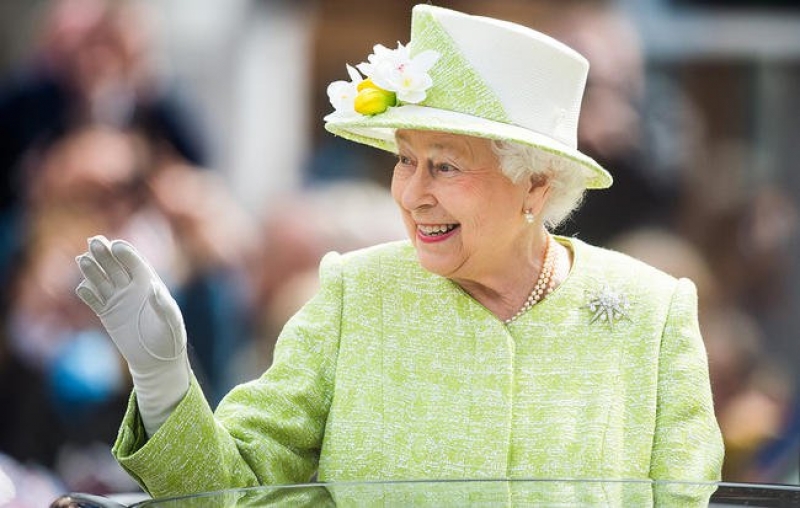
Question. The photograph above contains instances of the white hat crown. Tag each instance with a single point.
(528, 78)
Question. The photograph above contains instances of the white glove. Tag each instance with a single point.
(144, 322)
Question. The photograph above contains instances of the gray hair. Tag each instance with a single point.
(567, 182)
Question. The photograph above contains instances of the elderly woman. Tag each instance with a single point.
(484, 347)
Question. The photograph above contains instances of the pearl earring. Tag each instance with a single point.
(529, 217)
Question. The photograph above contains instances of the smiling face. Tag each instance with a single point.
(463, 215)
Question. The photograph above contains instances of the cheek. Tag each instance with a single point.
(474, 207)
(405, 215)
(494, 218)
(398, 187)
(396, 190)
(408, 222)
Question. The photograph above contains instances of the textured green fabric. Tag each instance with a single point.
(391, 372)
(456, 86)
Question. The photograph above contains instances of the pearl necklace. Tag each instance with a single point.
(544, 284)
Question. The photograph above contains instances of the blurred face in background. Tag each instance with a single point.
(102, 49)
(99, 170)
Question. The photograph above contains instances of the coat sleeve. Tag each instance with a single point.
(687, 445)
(267, 431)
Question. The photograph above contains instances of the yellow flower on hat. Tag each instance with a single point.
(367, 83)
(372, 100)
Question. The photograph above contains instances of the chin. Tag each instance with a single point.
(434, 263)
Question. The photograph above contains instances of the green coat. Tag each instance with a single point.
(391, 372)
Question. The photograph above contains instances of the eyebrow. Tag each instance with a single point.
(438, 146)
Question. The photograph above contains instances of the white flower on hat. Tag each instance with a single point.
(396, 71)
(342, 94)
(391, 76)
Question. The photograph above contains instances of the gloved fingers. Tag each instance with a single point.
(89, 296)
(100, 248)
(96, 276)
(131, 261)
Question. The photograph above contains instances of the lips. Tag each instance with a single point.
(435, 232)
(436, 229)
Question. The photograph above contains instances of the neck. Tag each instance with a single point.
(503, 293)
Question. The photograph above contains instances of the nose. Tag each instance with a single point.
(417, 189)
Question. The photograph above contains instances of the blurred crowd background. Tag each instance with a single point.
(193, 129)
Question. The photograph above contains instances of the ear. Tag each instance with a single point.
(538, 191)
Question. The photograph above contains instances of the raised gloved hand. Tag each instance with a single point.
(144, 322)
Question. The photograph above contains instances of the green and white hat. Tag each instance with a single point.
(470, 75)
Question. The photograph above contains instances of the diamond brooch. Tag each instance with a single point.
(608, 305)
